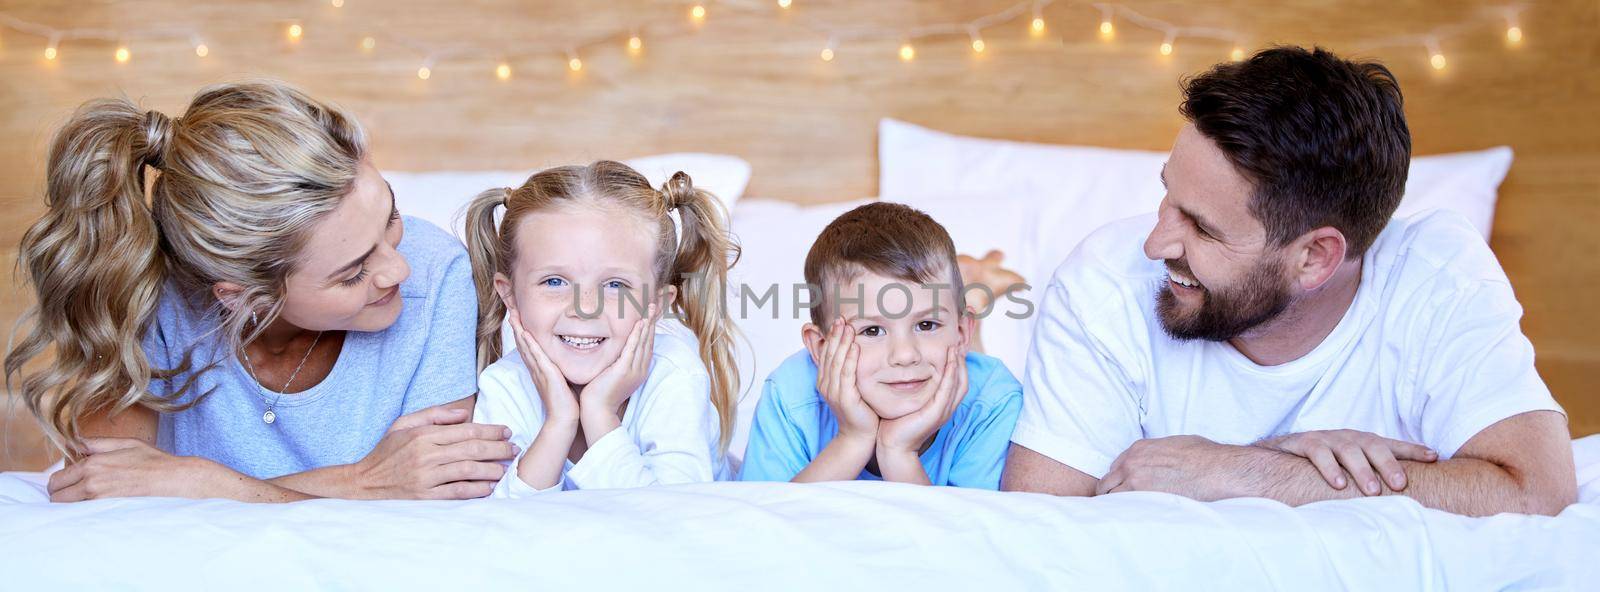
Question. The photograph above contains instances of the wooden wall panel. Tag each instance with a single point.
(748, 82)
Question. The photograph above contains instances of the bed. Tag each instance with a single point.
(1034, 202)
(786, 536)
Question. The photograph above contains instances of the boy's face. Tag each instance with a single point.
(902, 329)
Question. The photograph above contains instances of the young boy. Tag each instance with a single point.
(885, 387)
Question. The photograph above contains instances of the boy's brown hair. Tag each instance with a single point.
(888, 239)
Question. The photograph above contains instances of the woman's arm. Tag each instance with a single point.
(121, 460)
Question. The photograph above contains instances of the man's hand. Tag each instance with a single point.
(1362, 454)
(1183, 465)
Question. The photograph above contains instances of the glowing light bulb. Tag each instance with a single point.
(907, 53)
(367, 43)
(827, 54)
(1166, 48)
(978, 45)
(1437, 61)
(698, 13)
(574, 64)
(296, 31)
(123, 55)
(424, 72)
(1514, 34)
(503, 71)
(1238, 54)
(50, 50)
(635, 44)
(784, 3)
(337, 3)
(1106, 29)
(201, 50)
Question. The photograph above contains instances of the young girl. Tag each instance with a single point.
(597, 394)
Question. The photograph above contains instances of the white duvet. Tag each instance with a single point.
(782, 536)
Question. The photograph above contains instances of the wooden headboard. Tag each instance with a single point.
(748, 80)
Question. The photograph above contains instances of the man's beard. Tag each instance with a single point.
(1224, 314)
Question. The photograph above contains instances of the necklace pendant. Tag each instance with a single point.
(269, 417)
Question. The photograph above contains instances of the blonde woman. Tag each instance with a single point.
(262, 326)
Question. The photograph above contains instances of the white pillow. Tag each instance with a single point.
(1084, 187)
(440, 197)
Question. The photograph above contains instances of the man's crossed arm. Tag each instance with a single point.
(1520, 464)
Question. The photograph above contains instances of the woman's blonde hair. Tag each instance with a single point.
(242, 177)
(697, 266)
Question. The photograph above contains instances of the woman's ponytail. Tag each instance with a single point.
(95, 263)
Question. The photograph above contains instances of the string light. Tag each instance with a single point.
(295, 31)
(1435, 56)
(503, 71)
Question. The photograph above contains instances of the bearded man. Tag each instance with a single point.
(1278, 333)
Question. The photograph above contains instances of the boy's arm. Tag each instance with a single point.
(843, 459)
(777, 448)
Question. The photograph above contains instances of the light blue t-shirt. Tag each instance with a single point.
(793, 424)
(426, 358)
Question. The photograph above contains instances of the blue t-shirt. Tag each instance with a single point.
(426, 358)
(793, 424)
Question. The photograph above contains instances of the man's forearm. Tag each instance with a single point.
(1465, 486)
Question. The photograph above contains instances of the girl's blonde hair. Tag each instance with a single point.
(697, 266)
(244, 174)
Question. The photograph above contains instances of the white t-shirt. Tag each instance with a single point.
(1430, 351)
(669, 432)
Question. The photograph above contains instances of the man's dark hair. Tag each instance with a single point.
(1323, 140)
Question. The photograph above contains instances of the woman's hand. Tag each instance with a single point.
(560, 405)
(1362, 454)
(603, 396)
(435, 453)
(128, 467)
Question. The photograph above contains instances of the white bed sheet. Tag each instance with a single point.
(784, 536)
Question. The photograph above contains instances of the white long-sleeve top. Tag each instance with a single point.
(669, 432)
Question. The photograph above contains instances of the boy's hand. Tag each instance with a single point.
(907, 434)
(836, 381)
(560, 405)
(617, 381)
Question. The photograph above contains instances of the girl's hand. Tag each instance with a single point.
(129, 467)
(907, 434)
(836, 382)
(606, 393)
(560, 405)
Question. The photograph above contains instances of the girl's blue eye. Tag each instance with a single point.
(928, 325)
(616, 285)
(553, 282)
